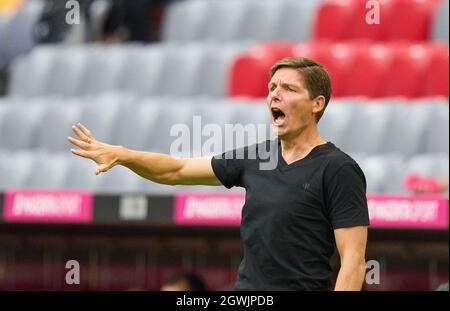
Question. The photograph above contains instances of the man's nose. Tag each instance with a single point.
(275, 94)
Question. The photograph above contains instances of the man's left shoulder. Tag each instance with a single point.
(338, 158)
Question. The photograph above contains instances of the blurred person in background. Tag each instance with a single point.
(420, 184)
(109, 21)
(128, 21)
(183, 281)
(295, 214)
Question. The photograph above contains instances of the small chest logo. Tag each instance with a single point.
(306, 185)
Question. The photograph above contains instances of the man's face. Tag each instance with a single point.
(289, 103)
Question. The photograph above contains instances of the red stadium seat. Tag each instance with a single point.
(407, 71)
(361, 29)
(249, 74)
(368, 67)
(437, 73)
(335, 57)
(411, 20)
(333, 20)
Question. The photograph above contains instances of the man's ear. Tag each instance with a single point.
(319, 104)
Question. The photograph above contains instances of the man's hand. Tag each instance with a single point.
(106, 156)
(157, 167)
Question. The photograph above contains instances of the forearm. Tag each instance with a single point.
(157, 167)
(351, 276)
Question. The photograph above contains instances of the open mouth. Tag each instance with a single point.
(277, 115)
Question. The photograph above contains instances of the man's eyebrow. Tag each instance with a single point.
(284, 84)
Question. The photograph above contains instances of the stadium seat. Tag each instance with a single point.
(19, 123)
(102, 70)
(249, 72)
(367, 69)
(439, 31)
(437, 133)
(411, 63)
(48, 170)
(224, 20)
(257, 117)
(65, 71)
(184, 20)
(405, 11)
(407, 131)
(14, 168)
(180, 75)
(429, 165)
(336, 120)
(80, 174)
(54, 126)
(214, 69)
(334, 20)
(336, 58)
(437, 74)
(368, 130)
(29, 73)
(173, 111)
(296, 20)
(4, 24)
(138, 120)
(395, 171)
(259, 23)
(99, 113)
(361, 29)
(375, 170)
(144, 66)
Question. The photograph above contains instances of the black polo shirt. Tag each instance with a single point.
(290, 213)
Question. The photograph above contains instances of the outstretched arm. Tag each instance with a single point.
(157, 167)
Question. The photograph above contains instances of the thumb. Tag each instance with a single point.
(102, 168)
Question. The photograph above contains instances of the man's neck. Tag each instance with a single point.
(300, 146)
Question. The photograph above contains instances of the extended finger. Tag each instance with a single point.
(85, 130)
(80, 134)
(81, 153)
(83, 145)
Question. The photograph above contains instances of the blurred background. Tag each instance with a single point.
(130, 70)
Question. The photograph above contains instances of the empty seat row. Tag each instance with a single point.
(413, 20)
(158, 69)
(184, 125)
(234, 20)
(62, 170)
(197, 20)
(357, 68)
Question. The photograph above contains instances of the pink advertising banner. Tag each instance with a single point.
(412, 212)
(389, 211)
(48, 206)
(208, 208)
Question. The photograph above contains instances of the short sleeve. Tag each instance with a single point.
(227, 169)
(346, 197)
